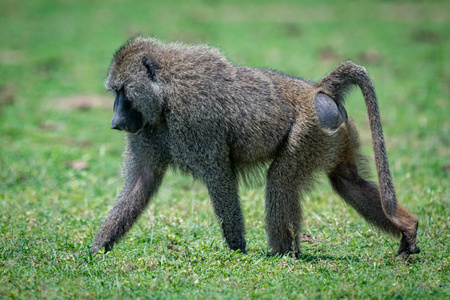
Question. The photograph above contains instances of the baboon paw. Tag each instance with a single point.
(238, 244)
(242, 251)
(295, 254)
(406, 251)
(408, 245)
(95, 249)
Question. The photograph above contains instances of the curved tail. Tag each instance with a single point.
(336, 84)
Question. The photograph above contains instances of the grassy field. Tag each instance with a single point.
(60, 162)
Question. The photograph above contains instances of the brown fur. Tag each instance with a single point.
(216, 120)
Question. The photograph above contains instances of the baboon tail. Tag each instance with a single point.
(337, 83)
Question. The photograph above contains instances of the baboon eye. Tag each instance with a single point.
(149, 66)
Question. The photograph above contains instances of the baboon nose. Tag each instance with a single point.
(116, 128)
(116, 125)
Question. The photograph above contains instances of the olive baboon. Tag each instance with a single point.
(189, 107)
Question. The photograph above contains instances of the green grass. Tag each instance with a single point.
(50, 211)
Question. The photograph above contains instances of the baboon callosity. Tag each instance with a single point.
(189, 107)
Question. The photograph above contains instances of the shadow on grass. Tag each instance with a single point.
(318, 258)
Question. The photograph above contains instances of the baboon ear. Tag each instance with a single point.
(149, 66)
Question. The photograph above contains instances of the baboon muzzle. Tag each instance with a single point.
(125, 116)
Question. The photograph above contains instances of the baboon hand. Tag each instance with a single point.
(98, 245)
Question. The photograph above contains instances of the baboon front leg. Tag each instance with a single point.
(128, 207)
(223, 191)
(365, 198)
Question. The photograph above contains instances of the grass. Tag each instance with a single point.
(51, 52)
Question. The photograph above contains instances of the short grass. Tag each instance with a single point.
(51, 52)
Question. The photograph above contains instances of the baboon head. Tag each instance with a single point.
(133, 79)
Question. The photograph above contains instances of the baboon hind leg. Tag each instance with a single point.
(285, 184)
(365, 198)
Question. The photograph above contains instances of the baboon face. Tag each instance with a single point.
(138, 98)
(125, 116)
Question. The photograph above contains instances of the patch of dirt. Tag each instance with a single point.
(78, 164)
(52, 126)
(77, 143)
(328, 54)
(306, 237)
(291, 29)
(85, 102)
(7, 95)
(371, 56)
(11, 57)
(426, 36)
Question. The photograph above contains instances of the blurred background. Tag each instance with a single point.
(60, 162)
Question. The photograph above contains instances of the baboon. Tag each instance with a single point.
(189, 107)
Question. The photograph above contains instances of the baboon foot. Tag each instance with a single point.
(408, 243)
(238, 244)
(407, 246)
(292, 250)
(95, 249)
(295, 254)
